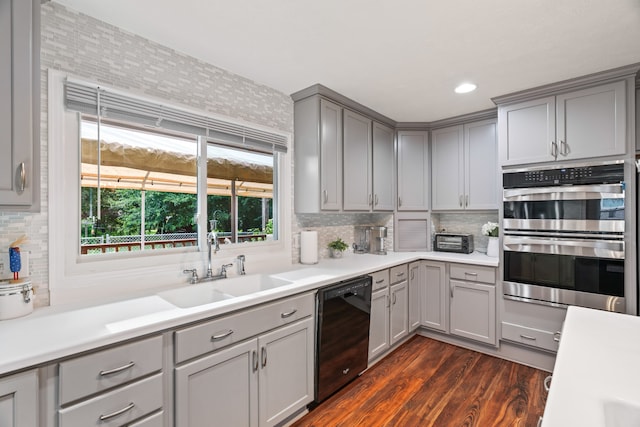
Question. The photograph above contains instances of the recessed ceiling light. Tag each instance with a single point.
(465, 88)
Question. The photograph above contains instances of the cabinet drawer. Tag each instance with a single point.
(473, 273)
(117, 407)
(534, 337)
(218, 333)
(95, 372)
(380, 279)
(155, 420)
(398, 274)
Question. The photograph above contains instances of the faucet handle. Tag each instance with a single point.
(194, 275)
(223, 269)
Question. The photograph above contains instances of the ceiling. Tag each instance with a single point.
(401, 58)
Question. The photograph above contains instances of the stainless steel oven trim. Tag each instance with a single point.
(564, 234)
(587, 225)
(563, 165)
(610, 249)
(572, 192)
(561, 297)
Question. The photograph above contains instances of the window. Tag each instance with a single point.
(133, 211)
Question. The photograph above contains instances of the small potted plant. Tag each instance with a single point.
(337, 247)
(491, 230)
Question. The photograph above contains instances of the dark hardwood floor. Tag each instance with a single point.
(429, 383)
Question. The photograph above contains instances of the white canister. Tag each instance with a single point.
(16, 298)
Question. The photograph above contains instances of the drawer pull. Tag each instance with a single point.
(116, 370)
(254, 354)
(289, 314)
(221, 336)
(556, 337)
(469, 273)
(399, 274)
(547, 383)
(23, 177)
(129, 407)
(379, 281)
(528, 337)
(264, 356)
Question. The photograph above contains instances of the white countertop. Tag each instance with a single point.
(52, 333)
(596, 378)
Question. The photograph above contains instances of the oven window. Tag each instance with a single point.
(593, 275)
(592, 209)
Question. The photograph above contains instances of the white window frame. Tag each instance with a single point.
(73, 277)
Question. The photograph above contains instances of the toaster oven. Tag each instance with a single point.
(452, 242)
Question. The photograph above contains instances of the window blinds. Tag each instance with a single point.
(83, 97)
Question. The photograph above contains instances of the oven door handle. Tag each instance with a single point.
(547, 245)
(571, 192)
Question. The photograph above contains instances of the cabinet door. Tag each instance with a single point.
(413, 171)
(357, 159)
(220, 389)
(379, 325)
(18, 170)
(19, 400)
(398, 324)
(435, 296)
(447, 174)
(592, 122)
(286, 371)
(527, 131)
(473, 311)
(330, 156)
(415, 289)
(481, 165)
(383, 168)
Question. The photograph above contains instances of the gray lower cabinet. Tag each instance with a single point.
(19, 104)
(399, 311)
(413, 170)
(379, 341)
(584, 123)
(19, 400)
(415, 289)
(534, 325)
(258, 382)
(473, 302)
(435, 296)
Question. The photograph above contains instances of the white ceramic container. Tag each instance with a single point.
(16, 298)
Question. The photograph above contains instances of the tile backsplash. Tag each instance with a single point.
(465, 222)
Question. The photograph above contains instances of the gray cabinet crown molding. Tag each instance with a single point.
(570, 84)
(334, 96)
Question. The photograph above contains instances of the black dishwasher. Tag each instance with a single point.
(344, 310)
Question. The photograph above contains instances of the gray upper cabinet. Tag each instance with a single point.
(413, 171)
(464, 167)
(581, 124)
(318, 155)
(357, 149)
(383, 168)
(19, 105)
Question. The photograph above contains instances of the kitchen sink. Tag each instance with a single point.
(221, 290)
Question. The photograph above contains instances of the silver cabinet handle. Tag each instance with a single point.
(221, 336)
(460, 200)
(116, 370)
(399, 201)
(23, 177)
(466, 202)
(289, 313)
(451, 290)
(412, 274)
(564, 148)
(554, 149)
(547, 383)
(375, 200)
(528, 337)
(394, 299)
(254, 355)
(264, 357)
(325, 195)
(470, 273)
(379, 281)
(556, 336)
(118, 412)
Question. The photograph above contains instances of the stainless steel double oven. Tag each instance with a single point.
(563, 235)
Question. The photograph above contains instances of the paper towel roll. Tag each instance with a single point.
(308, 247)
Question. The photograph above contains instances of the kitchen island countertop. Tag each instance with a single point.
(52, 333)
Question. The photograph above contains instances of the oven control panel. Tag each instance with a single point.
(600, 174)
